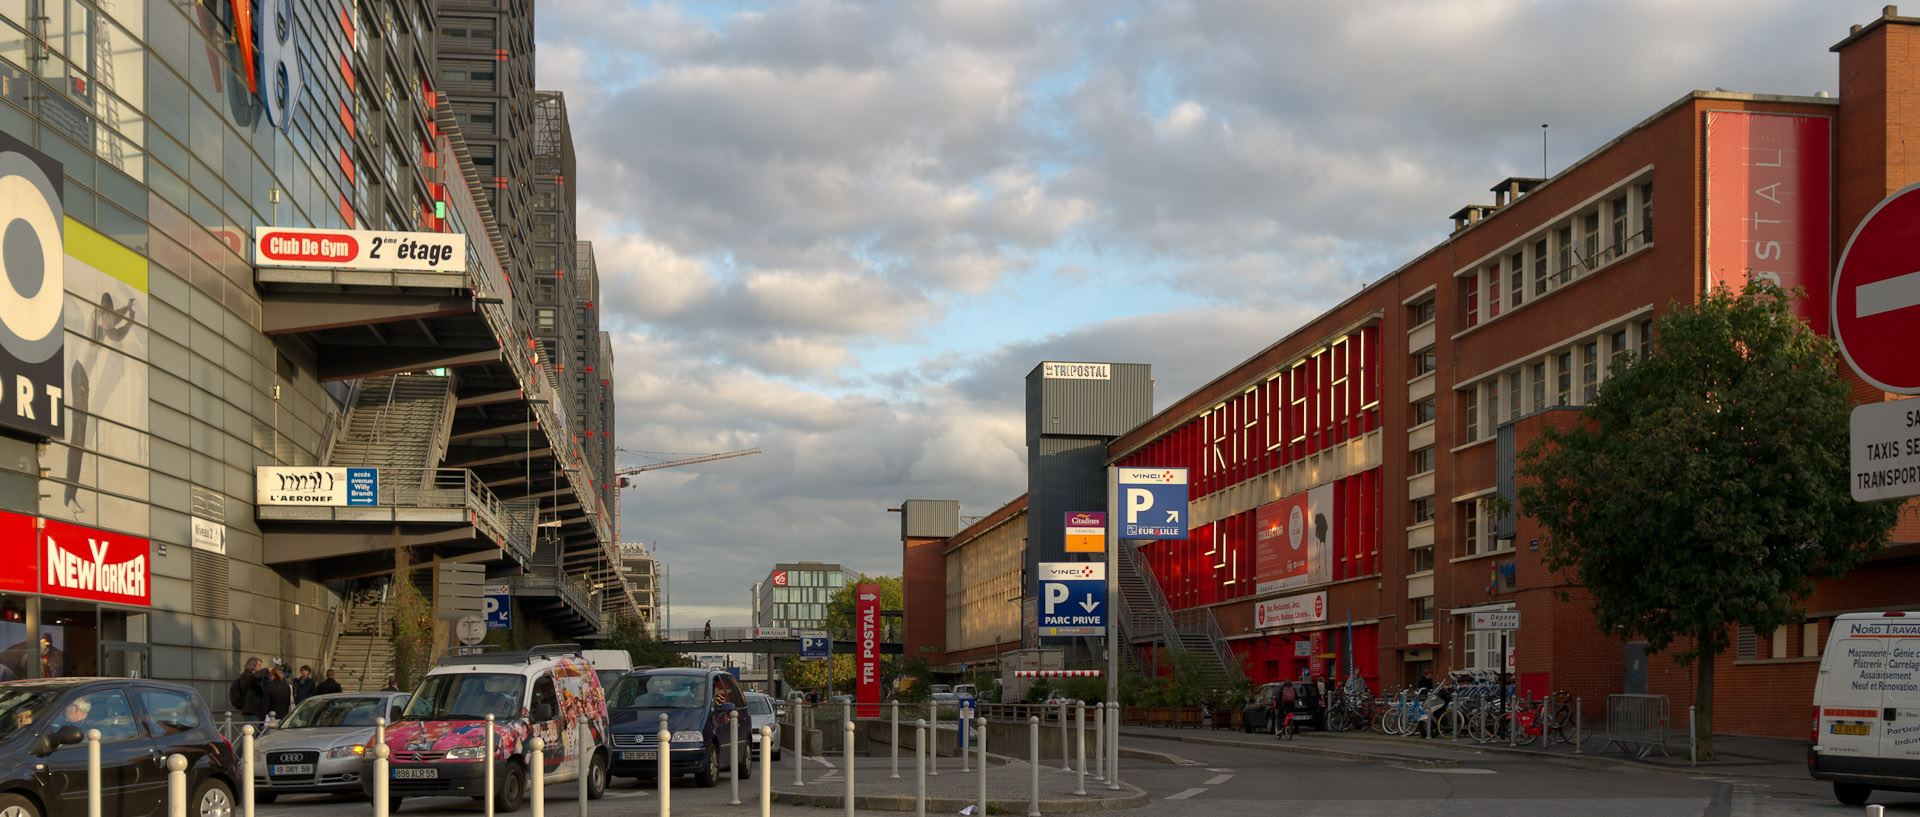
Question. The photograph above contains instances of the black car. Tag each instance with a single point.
(1262, 714)
(697, 704)
(43, 749)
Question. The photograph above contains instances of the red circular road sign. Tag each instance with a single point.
(1876, 294)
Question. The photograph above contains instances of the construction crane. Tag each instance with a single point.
(621, 475)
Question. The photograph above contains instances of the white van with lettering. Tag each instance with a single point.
(1866, 706)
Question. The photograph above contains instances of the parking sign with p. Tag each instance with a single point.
(496, 604)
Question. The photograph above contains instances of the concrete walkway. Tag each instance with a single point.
(1009, 787)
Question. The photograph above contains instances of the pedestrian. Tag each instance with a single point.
(391, 685)
(709, 629)
(248, 693)
(279, 695)
(304, 688)
(328, 686)
(1426, 681)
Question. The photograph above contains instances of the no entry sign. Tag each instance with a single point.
(1876, 295)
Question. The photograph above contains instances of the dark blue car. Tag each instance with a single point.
(698, 704)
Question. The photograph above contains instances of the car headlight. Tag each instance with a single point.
(347, 751)
(688, 737)
(467, 753)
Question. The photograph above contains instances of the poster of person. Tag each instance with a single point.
(106, 392)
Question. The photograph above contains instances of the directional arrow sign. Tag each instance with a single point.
(1073, 598)
(1153, 503)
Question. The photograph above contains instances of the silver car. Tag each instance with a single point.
(318, 748)
(761, 707)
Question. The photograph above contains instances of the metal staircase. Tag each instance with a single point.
(1145, 617)
(362, 651)
(397, 421)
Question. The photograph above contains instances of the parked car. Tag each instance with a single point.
(937, 689)
(1262, 712)
(696, 703)
(610, 665)
(321, 745)
(549, 692)
(764, 714)
(43, 750)
(966, 690)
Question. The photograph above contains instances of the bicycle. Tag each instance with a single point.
(1286, 727)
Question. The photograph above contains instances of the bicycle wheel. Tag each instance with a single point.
(1480, 726)
(1337, 719)
(1526, 734)
(1570, 731)
(1452, 723)
(1286, 730)
(1381, 718)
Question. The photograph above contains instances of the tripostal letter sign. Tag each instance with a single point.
(359, 249)
(1153, 503)
(1073, 598)
(867, 626)
(1876, 295)
(1884, 450)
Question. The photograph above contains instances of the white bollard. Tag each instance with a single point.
(1066, 760)
(733, 745)
(585, 763)
(246, 768)
(1100, 741)
(1033, 755)
(176, 785)
(1113, 747)
(981, 723)
(766, 771)
(1693, 740)
(933, 748)
(536, 759)
(920, 770)
(1876, 810)
(379, 731)
(487, 775)
(894, 742)
(1080, 750)
(964, 737)
(663, 768)
(93, 772)
(799, 742)
(847, 757)
(380, 799)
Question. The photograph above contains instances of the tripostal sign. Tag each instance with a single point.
(1768, 216)
(1073, 598)
(83, 563)
(1884, 450)
(1153, 503)
(867, 649)
(1076, 371)
(1086, 532)
(1876, 295)
(359, 249)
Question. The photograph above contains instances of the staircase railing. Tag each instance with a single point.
(442, 427)
(379, 632)
(336, 624)
(337, 425)
(380, 419)
(1201, 623)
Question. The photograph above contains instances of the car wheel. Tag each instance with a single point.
(708, 774)
(13, 805)
(1851, 794)
(513, 789)
(597, 777)
(213, 799)
(744, 762)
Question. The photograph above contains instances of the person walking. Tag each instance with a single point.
(303, 688)
(279, 695)
(249, 691)
(709, 629)
(328, 686)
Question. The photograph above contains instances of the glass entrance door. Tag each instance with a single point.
(126, 659)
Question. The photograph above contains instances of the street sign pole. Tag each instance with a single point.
(1113, 591)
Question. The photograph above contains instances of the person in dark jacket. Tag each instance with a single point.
(392, 686)
(303, 687)
(252, 685)
(328, 686)
(279, 694)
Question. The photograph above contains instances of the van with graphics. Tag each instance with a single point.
(1866, 706)
(438, 745)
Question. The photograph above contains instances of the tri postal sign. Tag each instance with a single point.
(1876, 294)
(1153, 503)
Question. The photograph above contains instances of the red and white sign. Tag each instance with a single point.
(1876, 294)
(18, 568)
(867, 669)
(1318, 638)
(1290, 540)
(83, 563)
(359, 249)
(1302, 609)
(780, 578)
(1769, 183)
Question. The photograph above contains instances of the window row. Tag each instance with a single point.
(1568, 376)
(1607, 230)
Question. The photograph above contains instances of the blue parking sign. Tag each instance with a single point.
(1153, 503)
(1073, 598)
(497, 605)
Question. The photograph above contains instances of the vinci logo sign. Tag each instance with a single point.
(83, 563)
(33, 246)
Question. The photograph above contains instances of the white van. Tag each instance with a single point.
(1866, 706)
(610, 665)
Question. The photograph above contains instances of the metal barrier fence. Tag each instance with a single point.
(1638, 723)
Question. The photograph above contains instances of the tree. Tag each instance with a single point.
(629, 633)
(1704, 488)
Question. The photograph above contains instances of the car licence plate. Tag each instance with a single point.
(291, 768)
(639, 756)
(416, 774)
(1852, 729)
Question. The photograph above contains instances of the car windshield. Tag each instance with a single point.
(659, 692)
(467, 696)
(609, 677)
(759, 706)
(21, 706)
(316, 712)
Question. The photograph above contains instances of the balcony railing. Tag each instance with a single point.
(442, 489)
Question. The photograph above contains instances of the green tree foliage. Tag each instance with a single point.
(812, 675)
(1705, 486)
(840, 606)
(629, 633)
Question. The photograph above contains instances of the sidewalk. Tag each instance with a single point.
(1737, 755)
(1009, 787)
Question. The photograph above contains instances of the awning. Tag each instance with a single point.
(1413, 646)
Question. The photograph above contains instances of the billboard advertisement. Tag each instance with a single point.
(316, 485)
(867, 669)
(1305, 608)
(1291, 541)
(1769, 202)
(33, 294)
(359, 249)
(83, 563)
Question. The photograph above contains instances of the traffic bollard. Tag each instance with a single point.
(1033, 766)
(1693, 747)
(799, 742)
(1100, 741)
(965, 718)
(766, 771)
(894, 741)
(537, 759)
(733, 745)
(379, 731)
(933, 748)
(93, 773)
(176, 785)
(981, 723)
(246, 768)
(1578, 736)
(487, 773)
(585, 763)
(1066, 760)
(847, 758)
(1876, 810)
(662, 769)
(920, 768)
(1080, 747)
(380, 799)
(1113, 747)
(226, 725)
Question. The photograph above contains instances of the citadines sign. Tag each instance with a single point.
(360, 249)
(83, 563)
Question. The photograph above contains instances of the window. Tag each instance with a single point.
(1516, 277)
(106, 711)
(1472, 411)
(1564, 272)
(1646, 337)
(168, 712)
(1591, 240)
(1589, 371)
(1422, 461)
(1617, 347)
(543, 694)
(1646, 212)
(1493, 291)
(1423, 411)
(1471, 285)
(1423, 608)
(1539, 385)
(1420, 560)
(1493, 405)
(1619, 208)
(1423, 363)
(1563, 379)
(1513, 395)
(1423, 510)
(544, 317)
(1470, 522)
(1810, 640)
(1422, 312)
(1540, 268)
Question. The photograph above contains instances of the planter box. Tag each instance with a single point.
(1188, 717)
(1160, 716)
(1234, 719)
(1133, 715)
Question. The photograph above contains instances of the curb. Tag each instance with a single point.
(1134, 798)
(1338, 754)
(1595, 760)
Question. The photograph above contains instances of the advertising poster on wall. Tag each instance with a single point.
(32, 293)
(1291, 541)
(1768, 183)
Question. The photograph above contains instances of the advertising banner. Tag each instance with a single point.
(1286, 612)
(1318, 641)
(17, 571)
(1086, 532)
(83, 563)
(359, 249)
(33, 291)
(313, 485)
(1769, 204)
(867, 671)
(1291, 541)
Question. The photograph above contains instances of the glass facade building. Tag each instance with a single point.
(795, 595)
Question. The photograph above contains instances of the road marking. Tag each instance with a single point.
(1185, 794)
(1218, 779)
(1447, 771)
(1898, 292)
(1222, 771)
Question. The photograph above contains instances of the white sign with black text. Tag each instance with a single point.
(1884, 450)
(1497, 620)
(210, 536)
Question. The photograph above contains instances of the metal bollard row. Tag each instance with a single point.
(733, 746)
(847, 758)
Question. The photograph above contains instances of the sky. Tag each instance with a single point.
(844, 232)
